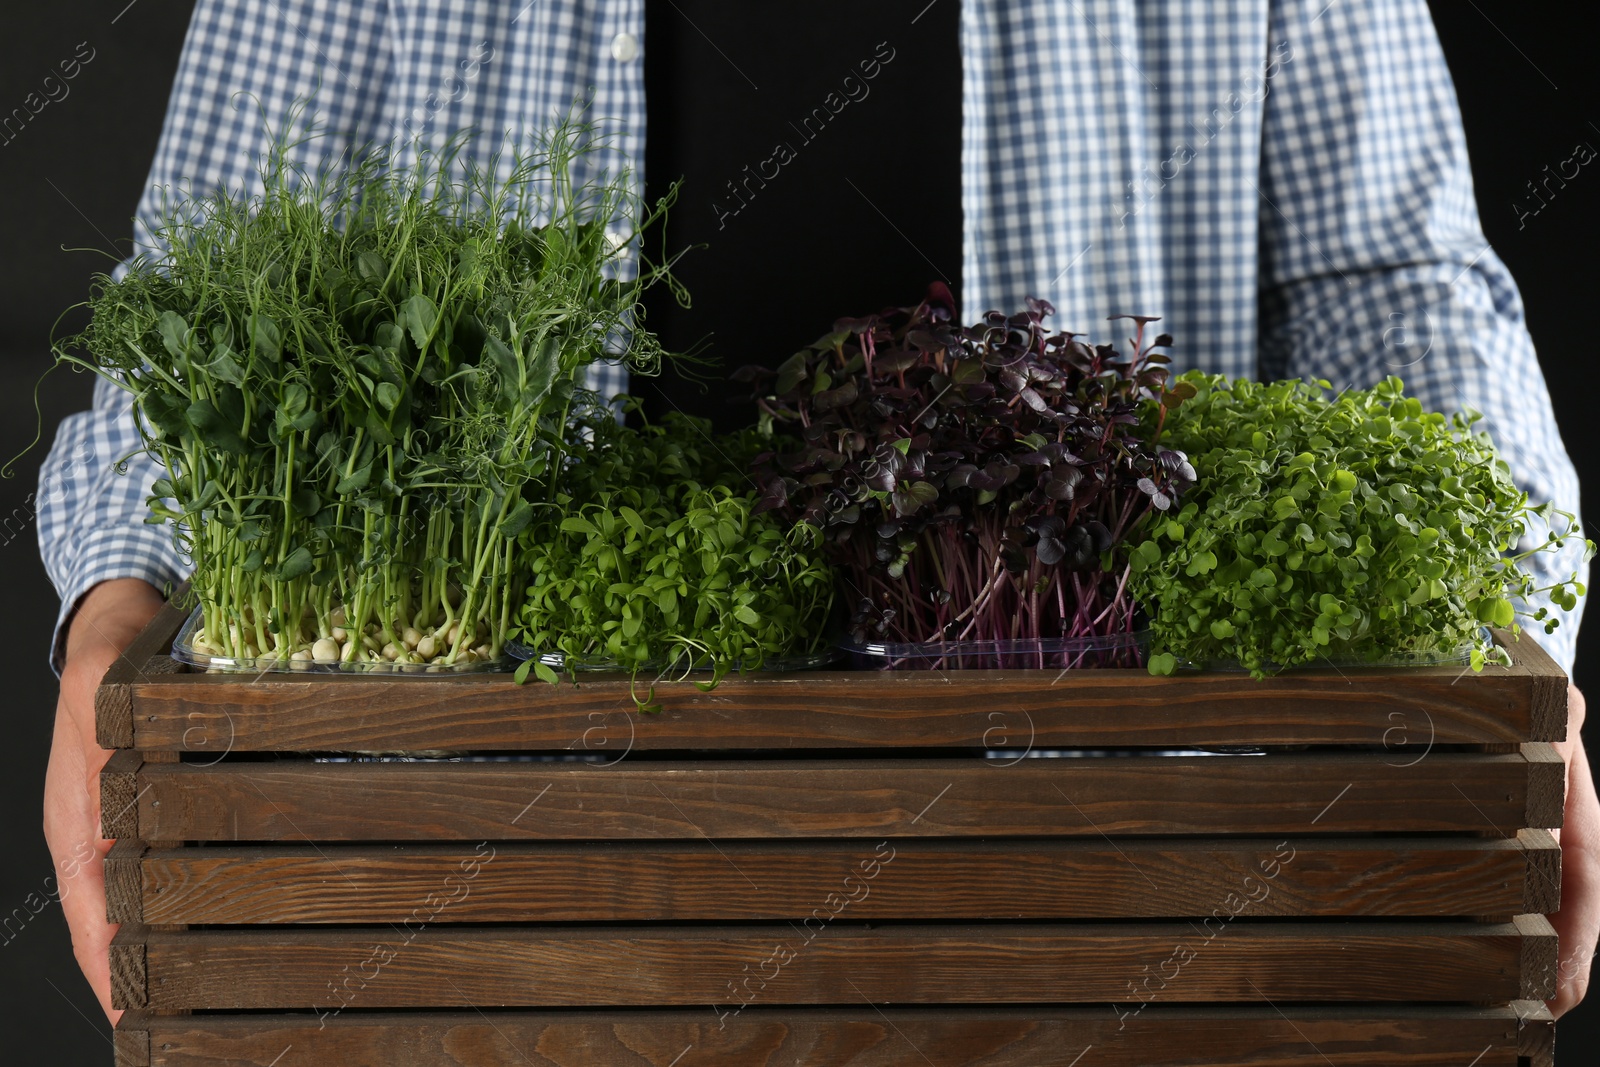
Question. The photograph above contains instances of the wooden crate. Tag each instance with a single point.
(823, 869)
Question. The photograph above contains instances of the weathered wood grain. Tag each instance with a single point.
(1536, 1033)
(124, 876)
(130, 1044)
(566, 966)
(1547, 785)
(1540, 954)
(130, 975)
(113, 700)
(1406, 710)
(1542, 886)
(859, 1036)
(1317, 792)
(930, 880)
(119, 795)
(1547, 692)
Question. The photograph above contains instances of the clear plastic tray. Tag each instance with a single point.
(1046, 653)
(183, 651)
(558, 661)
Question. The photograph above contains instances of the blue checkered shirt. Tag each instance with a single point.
(1284, 181)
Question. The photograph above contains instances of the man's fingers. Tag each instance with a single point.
(1577, 924)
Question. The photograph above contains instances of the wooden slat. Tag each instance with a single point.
(859, 1036)
(1135, 878)
(1547, 697)
(1407, 710)
(124, 875)
(130, 1042)
(1547, 785)
(1286, 793)
(1539, 956)
(1542, 887)
(130, 981)
(120, 795)
(564, 966)
(1536, 1033)
(113, 701)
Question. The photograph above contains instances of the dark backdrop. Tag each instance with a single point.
(69, 181)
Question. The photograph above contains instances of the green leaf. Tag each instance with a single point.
(355, 481)
(388, 396)
(746, 616)
(506, 365)
(542, 373)
(632, 518)
(791, 372)
(516, 520)
(174, 334)
(265, 339)
(213, 428)
(420, 315)
(372, 267)
(574, 524)
(1163, 663)
(164, 412)
(224, 367)
(298, 562)
(306, 502)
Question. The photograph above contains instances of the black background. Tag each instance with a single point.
(71, 179)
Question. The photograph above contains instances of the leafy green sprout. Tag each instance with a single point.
(658, 561)
(1358, 526)
(358, 384)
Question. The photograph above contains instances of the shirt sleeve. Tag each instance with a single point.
(242, 62)
(1373, 260)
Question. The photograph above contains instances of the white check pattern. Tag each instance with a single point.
(1284, 181)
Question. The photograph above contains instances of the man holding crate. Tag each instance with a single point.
(1288, 187)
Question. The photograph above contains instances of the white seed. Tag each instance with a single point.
(326, 650)
(339, 633)
(411, 636)
(451, 634)
(426, 647)
(484, 652)
(337, 616)
(390, 652)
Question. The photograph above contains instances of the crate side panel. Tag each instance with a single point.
(658, 965)
(927, 879)
(1286, 793)
(857, 1037)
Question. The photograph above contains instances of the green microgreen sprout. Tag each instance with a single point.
(656, 559)
(359, 383)
(1353, 528)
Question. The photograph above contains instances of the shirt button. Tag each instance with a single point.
(624, 47)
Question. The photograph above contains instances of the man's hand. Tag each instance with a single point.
(108, 619)
(1578, 921)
